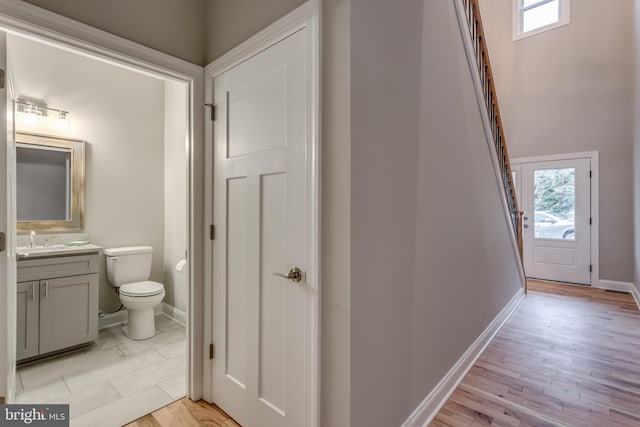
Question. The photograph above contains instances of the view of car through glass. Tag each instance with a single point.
(554, 203)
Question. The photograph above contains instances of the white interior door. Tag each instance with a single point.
(8, 292)
(556, 196)
(261, 165)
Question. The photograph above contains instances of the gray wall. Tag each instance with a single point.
(336, 214)
(228, 23)
(175, 193)
(121, 115)
(636, 148)
(571, 90)
(432, 261)
(170, 26)
(197, 31)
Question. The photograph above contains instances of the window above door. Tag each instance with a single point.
(531, 17)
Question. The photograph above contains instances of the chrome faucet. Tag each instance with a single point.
(32, 239)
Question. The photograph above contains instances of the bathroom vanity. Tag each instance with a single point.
(57, 301)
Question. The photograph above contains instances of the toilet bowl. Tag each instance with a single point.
(128, 269)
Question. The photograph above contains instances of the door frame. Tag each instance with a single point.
(594, 204)
(305, 16)
(42, 25)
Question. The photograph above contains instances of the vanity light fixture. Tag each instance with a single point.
(37, 115)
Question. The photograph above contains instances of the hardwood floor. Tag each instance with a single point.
(569, 356)
(186, 413)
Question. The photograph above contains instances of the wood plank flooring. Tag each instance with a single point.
(569, 356)
(186, 413)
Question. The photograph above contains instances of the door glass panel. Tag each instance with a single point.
(554, 198)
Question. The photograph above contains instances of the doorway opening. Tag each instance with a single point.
(137, 124)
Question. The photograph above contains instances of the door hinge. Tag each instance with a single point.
(1, 78)
(212, 111)
(212, 232)
(590, 174)
(211, 351)
(3, 241)
(590, 221)
(590, 268)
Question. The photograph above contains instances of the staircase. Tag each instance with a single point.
(472, 15)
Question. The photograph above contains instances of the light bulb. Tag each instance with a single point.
(62, 121)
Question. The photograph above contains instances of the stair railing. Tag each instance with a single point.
(472, 11)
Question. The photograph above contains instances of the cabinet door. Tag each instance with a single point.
(27, 320)
(68, 311)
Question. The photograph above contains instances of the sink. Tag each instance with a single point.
(55, 250)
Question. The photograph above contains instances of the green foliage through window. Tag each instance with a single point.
(554, 191)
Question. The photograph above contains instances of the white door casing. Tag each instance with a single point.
(551, 251)
(25, 19)
(266, 214)
(8, 227)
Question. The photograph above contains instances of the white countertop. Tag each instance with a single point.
(55, 250)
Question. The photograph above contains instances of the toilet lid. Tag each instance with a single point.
(141, 289)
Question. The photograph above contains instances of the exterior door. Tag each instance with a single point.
(556, 196)
(261, 165)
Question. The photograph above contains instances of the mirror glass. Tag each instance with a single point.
(49, 183)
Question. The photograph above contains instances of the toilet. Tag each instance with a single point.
(128, 269)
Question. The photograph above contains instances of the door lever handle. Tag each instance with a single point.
(294, 274)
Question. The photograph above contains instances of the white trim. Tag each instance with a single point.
(34, 22)
(426, 411)
(307, 15)
(614, 285)
(174, 314)
(593, 156)
(47, 27)
(554, 157)
(517, 16)
(484, 114)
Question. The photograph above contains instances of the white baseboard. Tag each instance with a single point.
(121, 317)
(175, 314)
(429, 407)
(614, 285)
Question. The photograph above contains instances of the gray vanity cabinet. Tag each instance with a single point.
(57, 304)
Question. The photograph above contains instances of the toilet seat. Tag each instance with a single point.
(146, 288)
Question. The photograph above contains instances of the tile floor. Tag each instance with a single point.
(113, 382)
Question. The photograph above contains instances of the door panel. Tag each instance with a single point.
(273, 291)
(556, 196)
(67, 311)
(27, 303)
(236, 322)
(260, 199)
(264, 100)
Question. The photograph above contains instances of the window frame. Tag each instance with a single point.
(564, 9)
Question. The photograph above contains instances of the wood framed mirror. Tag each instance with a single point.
(49, 183)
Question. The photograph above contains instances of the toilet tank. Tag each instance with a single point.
(128, 264)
